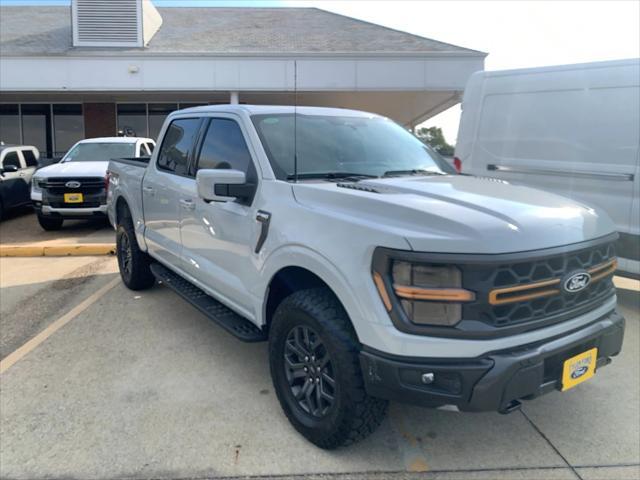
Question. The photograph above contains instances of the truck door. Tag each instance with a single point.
(15, 189)
(160, 190)
(219, 238)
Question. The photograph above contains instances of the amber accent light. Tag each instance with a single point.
(437, 294)
(600, 271)
(377, 279)
(538, 289)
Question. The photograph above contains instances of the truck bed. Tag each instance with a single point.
(125, 179)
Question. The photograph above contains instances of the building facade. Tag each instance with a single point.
(68, 73)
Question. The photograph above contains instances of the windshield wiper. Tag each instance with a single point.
(331, 176)
(392, 173)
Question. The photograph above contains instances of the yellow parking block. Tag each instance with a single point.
(76, 249)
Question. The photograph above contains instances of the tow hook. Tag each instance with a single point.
(511, 407)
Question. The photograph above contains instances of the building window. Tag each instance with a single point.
(157, 114)
(36, 127)
(132, 118)
(9, 123)
(182, 106)
(68, 127)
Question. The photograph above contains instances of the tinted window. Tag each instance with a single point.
(36, 127)
(224, 147)
(99, 152)
(177, 142)
(30, 158)
(157, 114)
(11, 158)
(68, 127)
(360, 145)
(150, 147)
(9, 123)
(132, 118)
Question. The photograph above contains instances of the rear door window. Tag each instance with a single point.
(30, 158)
(177, 145)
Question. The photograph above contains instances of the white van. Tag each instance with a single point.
(572, 130)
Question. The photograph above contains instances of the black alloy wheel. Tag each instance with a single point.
(309, 371)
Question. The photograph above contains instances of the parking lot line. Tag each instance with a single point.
(24, 350)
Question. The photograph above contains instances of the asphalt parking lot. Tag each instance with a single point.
(110, 383)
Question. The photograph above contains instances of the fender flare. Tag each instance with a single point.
(304, 257)
(138, 226)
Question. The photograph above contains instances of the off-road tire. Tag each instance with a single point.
(50, 223)
(354, 414)
(133, 263)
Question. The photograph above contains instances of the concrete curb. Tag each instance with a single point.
(79, 249)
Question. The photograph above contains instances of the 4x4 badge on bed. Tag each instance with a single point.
(576, 282)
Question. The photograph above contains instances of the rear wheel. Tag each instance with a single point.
(50, 223)
(313, 354)
(133, 263)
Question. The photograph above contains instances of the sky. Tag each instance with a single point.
(516, 34)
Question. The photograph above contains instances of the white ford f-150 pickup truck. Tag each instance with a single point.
(75, 188)
(373, 270)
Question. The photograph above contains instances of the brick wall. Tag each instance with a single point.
(99, 120)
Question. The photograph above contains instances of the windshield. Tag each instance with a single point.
(342, 144)
(99, 152)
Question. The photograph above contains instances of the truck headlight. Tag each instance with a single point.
(428, 294)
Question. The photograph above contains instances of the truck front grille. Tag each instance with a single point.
(529, 291)
(92, 189)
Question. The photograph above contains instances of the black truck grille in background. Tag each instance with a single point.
(87, 184)
(92, 189)
(532, 290)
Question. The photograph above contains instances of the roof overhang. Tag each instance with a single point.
(407, 88)
(157, 73)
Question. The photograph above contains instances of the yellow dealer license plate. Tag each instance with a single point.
(73, 198)
(579, 368)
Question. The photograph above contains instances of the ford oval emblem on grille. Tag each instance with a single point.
(72, 184)
(576, 282)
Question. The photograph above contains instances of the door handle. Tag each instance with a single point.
(187, 204)
(148, 190)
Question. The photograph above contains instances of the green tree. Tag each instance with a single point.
(434, 137)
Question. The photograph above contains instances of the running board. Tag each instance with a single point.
(238, 326)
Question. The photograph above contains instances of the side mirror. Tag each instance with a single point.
(8, 169)
(223, 185)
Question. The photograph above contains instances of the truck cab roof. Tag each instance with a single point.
(277, 109)
(116, 140)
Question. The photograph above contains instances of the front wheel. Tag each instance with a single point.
(50, 223)
(133, 263)
(313, 355)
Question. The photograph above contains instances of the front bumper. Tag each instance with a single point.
(494, 382)
(78, 212)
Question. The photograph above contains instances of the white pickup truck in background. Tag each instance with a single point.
(75, 188)
(374, 271)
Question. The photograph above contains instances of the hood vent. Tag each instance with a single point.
(360, 186)
(114, 23)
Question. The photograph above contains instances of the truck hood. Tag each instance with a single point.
(459, 214)
(73, 169)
